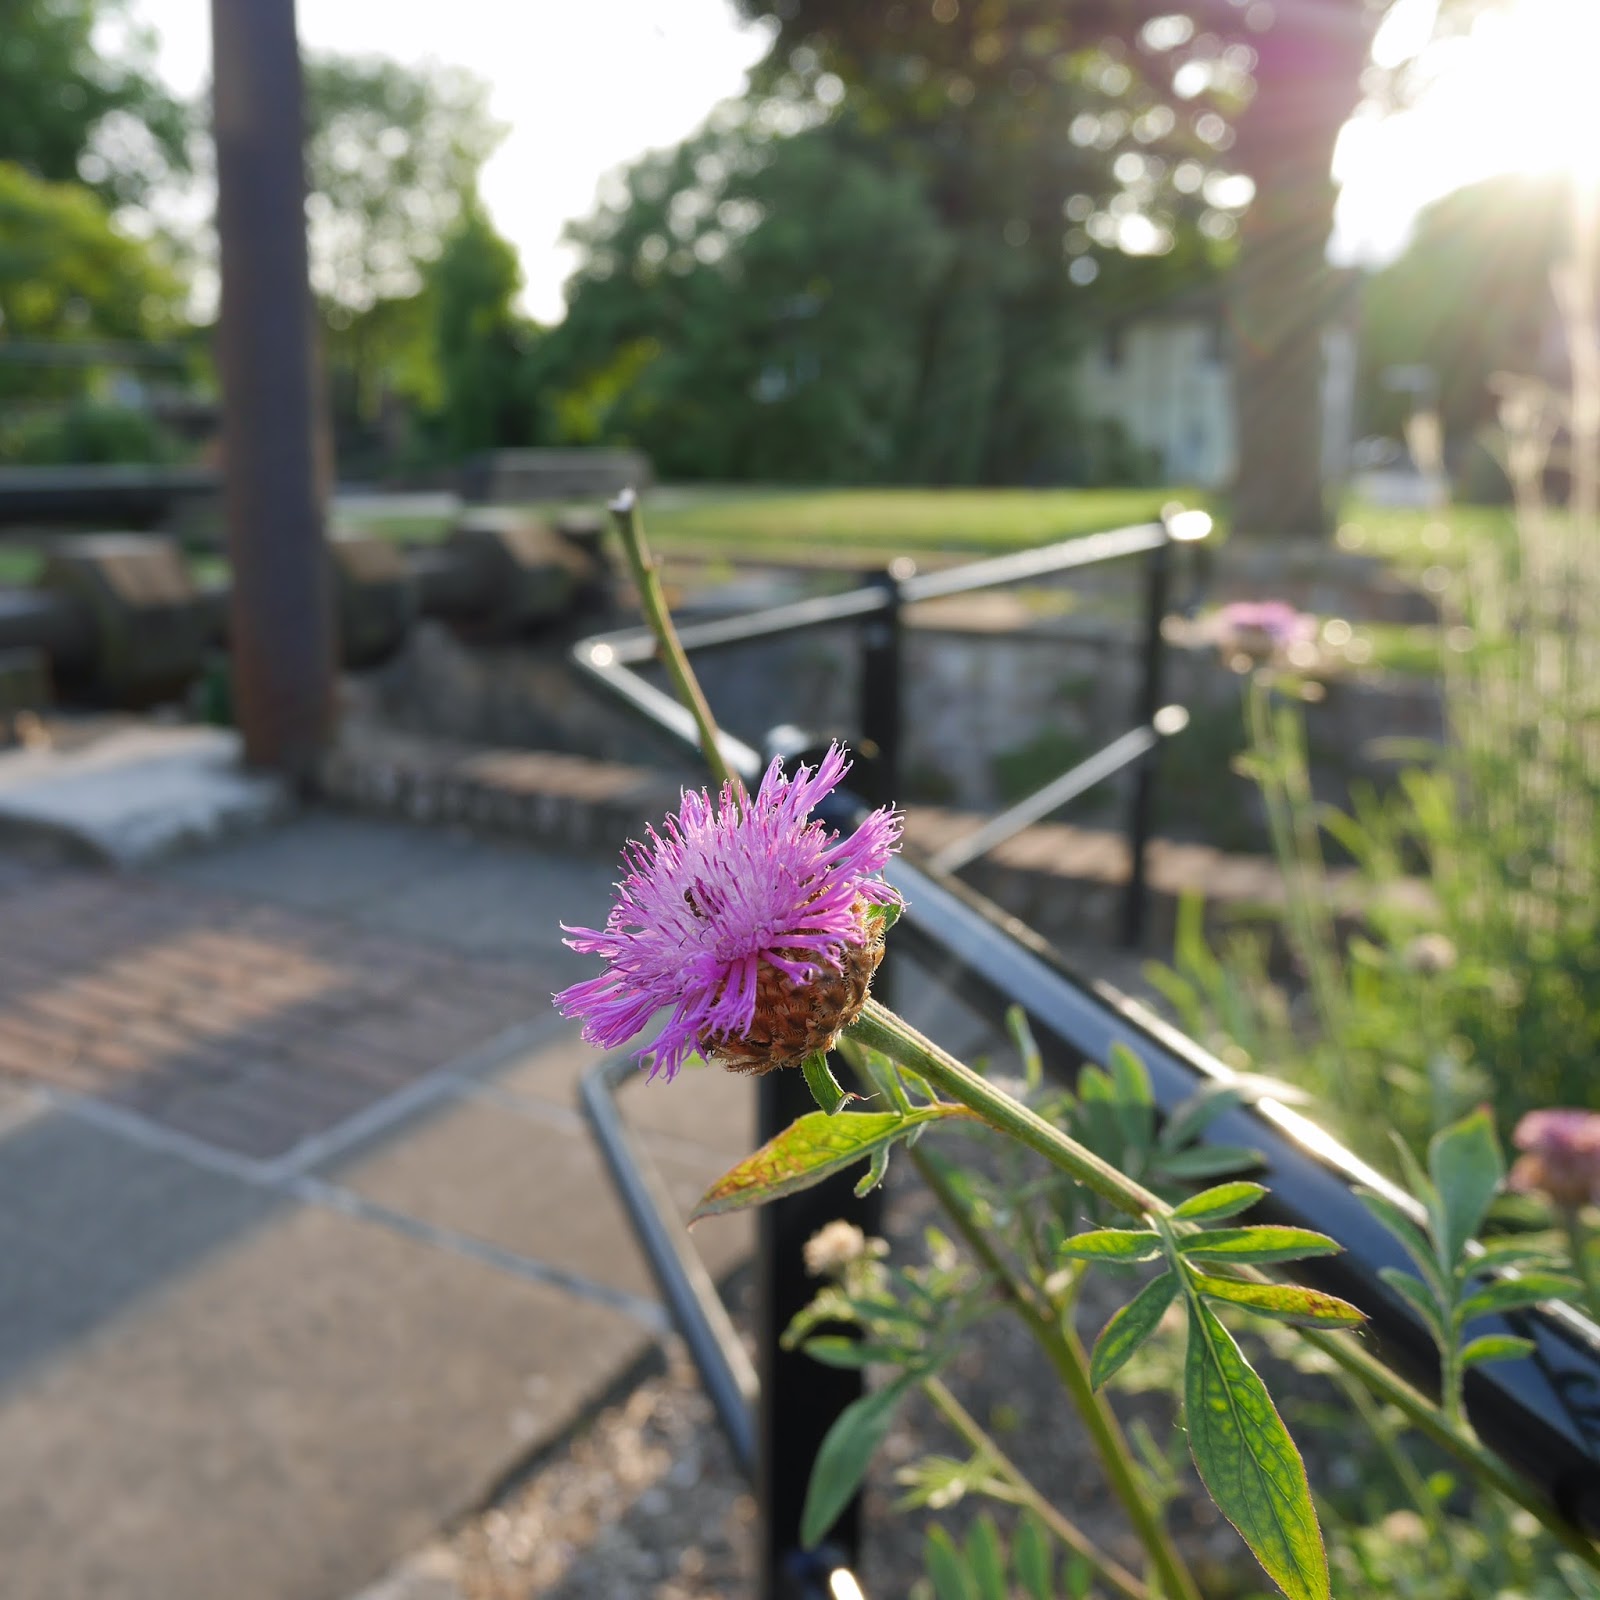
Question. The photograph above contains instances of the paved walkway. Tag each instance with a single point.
(303, 1243)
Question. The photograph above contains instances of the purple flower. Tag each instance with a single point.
(1261, 627)
(749, 919)
(1561, 1156)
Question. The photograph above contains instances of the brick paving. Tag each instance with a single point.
(250, 1026)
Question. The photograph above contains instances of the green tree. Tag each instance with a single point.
(1205, 90)
(68, 274)
(752, 306)
(480, 341)
(69, 111)
(392, 154)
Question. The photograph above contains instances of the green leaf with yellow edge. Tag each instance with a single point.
(1268, 1243)
(1112, 1244)
(810, 1149)
(1248, 1462)
(1226, 1200)
(1283, 1302)
(1130, 1327)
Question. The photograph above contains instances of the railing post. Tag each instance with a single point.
(799, 1397)
(882, 652)
(281, 630)
(1141, 799)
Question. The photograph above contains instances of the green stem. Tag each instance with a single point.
(1585, 1258)
(1060, 1343)
(1454, 1438)
(881, 1030)
(1024, 1494)
(653, 602)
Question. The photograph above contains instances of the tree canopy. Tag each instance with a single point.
(71, 111)
(392, 153)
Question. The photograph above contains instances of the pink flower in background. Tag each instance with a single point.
(1561, 1156)
(1261, 627)
(748, 919)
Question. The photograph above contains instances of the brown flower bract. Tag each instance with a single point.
(793, 1021)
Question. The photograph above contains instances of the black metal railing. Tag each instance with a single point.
(1541, 1413)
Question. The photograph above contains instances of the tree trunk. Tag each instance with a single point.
(1308, 81)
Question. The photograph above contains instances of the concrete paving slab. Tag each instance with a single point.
(706, 1105)
(90, 1224)
(536, 1185)
(288, 1420)
(136, 793)
(318, 861)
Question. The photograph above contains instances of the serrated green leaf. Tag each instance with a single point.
(844, 1455)
(1027, 1046)
(945, 1568)
(1031, 1553)
(823, 1085)
(1513, 1294)
(810, 1149)
(1130, 1327)
(1208, 1161)
(1284, 1302)
(1495, 1347)
(1256, 1244)
(1467, 1170)
(1248, 1462)
(888, 913)
(1113, 1244)
(1417, 1295)
(1225, 1200)
(986, 1559)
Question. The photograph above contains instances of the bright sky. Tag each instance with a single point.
(586, 86)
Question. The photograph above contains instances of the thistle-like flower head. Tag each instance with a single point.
(1561, 1156)
(749, 919)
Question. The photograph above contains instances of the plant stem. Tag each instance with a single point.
(1056, 1337)
(1024, 1493)
(1580, 1241)
(1456, 1438)
(880, 1029)
(653, 602)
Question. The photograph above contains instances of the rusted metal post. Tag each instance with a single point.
(282, 620)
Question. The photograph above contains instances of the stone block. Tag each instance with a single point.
(526, 575)
(150, 622)
(375, 597)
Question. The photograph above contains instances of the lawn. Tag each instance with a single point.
(870, 522)
(850, 527)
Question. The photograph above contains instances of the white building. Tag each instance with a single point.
(1165, 375)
